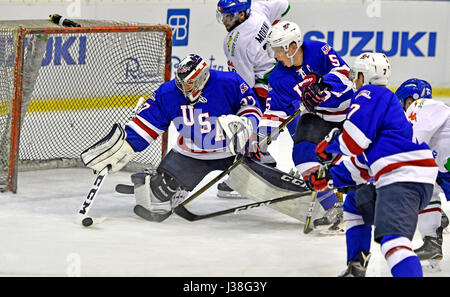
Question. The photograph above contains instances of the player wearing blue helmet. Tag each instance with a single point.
(233, 12)
(411, 90)
(431, 124)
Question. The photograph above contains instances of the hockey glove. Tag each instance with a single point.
(253, 149)
(314, 91)
(237, 131)
(320, 180)
(112, 150)
(324, 157)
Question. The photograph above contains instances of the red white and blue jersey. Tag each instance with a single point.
(284, 96)
(199, 136)
(379, 140)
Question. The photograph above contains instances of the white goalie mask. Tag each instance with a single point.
(191, 76)
(374, 66)
(283, 34)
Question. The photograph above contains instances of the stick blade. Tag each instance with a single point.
(125, 189)
(150, 216)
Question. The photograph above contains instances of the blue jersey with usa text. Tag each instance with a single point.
(224, 93)
(284, 96)
(379, 140)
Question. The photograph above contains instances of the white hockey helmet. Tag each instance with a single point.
(191, 76)
(375, 67)
(283, 34)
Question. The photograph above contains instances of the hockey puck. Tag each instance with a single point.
(87, 222)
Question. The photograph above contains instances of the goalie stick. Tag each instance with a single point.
(186, 214)
(83, 218)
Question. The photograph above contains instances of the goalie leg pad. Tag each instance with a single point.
(260, 182)
(112, 150)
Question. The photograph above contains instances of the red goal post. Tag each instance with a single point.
(62, 89)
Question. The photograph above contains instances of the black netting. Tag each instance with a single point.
(85, 82)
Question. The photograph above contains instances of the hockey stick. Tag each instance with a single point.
(186, 214)
(267, 139)
(83, 218)
(307, 228)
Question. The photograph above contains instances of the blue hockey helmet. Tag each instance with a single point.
(234, 6)
(230, 9)
(414, 88)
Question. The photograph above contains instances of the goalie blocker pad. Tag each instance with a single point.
(113, 149)
(260, 182)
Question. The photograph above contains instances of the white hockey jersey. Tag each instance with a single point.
(431, 124)
(245, 46)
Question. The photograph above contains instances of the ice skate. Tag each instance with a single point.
(224, 191)
(332, 222)
(431, 252)
(357, 268)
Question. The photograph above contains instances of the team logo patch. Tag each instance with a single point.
(364, 93)
(326, 49)
(365, 56)
(230, 38)
(286, 26)
(244, 88)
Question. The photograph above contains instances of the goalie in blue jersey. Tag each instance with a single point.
(377, 140)
(216, 114)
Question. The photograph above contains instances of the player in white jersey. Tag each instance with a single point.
(431, 124)
(247, 51)
(245, 44)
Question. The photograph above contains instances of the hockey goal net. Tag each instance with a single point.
(62, 89)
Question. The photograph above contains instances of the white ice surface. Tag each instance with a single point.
(39, 236)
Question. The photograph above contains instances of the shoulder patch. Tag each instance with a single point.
(364, 93)
(244, 88)
(326, 49)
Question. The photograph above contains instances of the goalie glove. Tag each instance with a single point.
(112, 150)
(320, 180)
(324, 157)
(314, 91)
(237, 131)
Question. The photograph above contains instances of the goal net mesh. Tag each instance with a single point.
(62, 89)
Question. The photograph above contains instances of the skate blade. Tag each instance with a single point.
(228, 195)
(330, 230)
